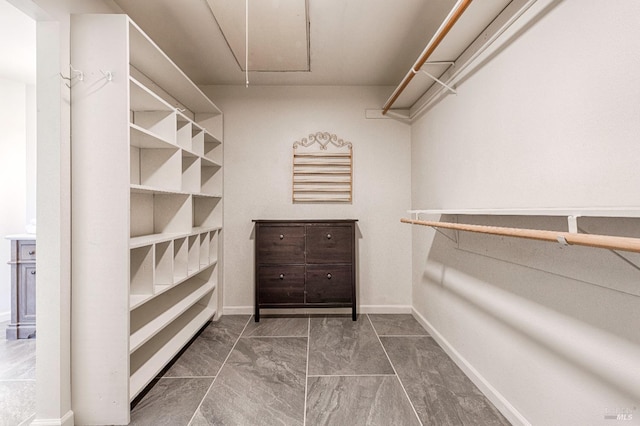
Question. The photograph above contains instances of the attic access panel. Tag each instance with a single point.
(278, 33)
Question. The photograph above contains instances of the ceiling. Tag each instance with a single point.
(343, 42)
(351, 42)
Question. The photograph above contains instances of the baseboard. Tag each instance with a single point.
(365, 309)
(5, 316)
(500, 402)
(237, 310)
(386, 309)
(66, 420)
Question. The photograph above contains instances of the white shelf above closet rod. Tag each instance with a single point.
(633, 211)
(566, 238)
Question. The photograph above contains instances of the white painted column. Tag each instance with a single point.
(53, 384)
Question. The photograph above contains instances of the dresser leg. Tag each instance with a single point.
(256, 316)
(353, 313)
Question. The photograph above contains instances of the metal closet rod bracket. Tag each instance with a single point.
(433, 77)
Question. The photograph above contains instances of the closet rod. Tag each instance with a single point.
(600, 241)
(453, 17)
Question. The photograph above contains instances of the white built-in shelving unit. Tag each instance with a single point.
(146, 214)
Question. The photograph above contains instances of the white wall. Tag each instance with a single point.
(260, 126)
(551, 121)
(17, 135)
(13, 166)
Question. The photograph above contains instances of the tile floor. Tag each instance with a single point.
(289, 370)
(314, 370)
(17, 379)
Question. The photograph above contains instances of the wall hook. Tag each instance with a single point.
(66, 78)
(107, 74)
(79, 73)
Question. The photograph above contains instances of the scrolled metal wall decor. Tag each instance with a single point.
(324, 175)
(323, 139)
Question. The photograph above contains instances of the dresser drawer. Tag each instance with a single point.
(329, 244)
(27, 251)
(281, 284)
(280, 244)
(329, 284)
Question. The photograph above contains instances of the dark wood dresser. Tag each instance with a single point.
(305, 264)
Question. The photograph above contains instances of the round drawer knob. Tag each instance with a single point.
(282, 276)
(328, 236)
(33, 272)
(32, 252)
(329, 276)
(281, 237)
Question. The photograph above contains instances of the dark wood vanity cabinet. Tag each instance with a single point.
(305, 264)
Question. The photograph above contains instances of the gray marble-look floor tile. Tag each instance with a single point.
(18, 359)
(340, 346)
(17, 401)
(441, 393)
(282, 326)
(262, 383)
(397, 325)
(170, 402)
(205, 355)
(358, 400)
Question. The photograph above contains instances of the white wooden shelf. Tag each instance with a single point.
(143, 138)
(144, 99)
(148, 203)
(147, 57)
(633, 211)
(151, 358)
(137, 300)
(188, 294)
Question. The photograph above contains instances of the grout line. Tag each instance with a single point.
(185, 377)
(352, 375)
(17, 380)
(277, 337)
(404, 335)
(395, 372)
(219, 371)
(306, 376)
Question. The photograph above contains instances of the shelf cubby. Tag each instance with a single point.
(159, 213)
(141, 98)
(210, 179)
(147, 361)
(183, 134)
(150, 318)
(197, 140)
(194, 254)
(180, 259)
(163, 264)
(190, 173)
(160, 123)
(207, 212)
(143, 138)
(214, 239)
(212, 148)
(156, 168)
(212, 123)
(141, 271)
(205, 246)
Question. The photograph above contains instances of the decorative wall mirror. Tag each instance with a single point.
(322, 169)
